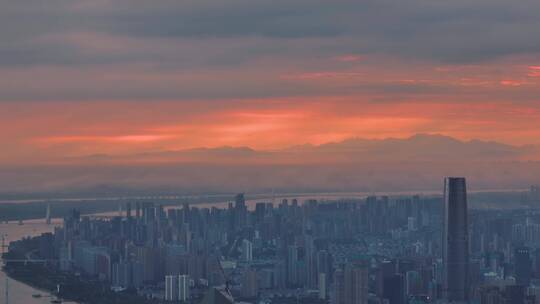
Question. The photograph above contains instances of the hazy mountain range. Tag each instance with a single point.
(416, 163)
(420, 147)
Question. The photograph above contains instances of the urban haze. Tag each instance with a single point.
(270, 152)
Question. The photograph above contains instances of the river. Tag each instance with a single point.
(20, 293)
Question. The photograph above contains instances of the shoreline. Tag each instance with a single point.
(36, 210)
(73, 287)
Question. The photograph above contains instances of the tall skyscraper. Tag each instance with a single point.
(183, 288)
(455, 242)
(138, 210)
(322, 286)
(240, 201)
(247, 251)
(523, 268)
(171, 288)
(355, 283)
(394, 289)
(176, 288)
(240, 211)
(128, 209)
(292, 265)
(249, 284)
(339, 287)
(48, 215)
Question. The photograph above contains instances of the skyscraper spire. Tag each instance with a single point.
(455, 241)
(48, 215)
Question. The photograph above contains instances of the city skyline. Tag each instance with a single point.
(270, 152)
(378, 249)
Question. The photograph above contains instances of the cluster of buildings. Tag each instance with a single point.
(378, 250)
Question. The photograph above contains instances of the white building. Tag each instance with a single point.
(322, 286)
(171, 288)
(247, 251)
(177, 288)
(183, 287)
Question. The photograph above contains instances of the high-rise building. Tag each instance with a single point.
(240, 201)
(176, 288)
(183, 287)
(339, 287)
(128, 209)
(411, 223)
(240, 211)
(48, 215)
(523, 268)
(217, 296)
(292, 265)
(171, 288)
(413, 283)
(515, 294)
(137, 210)
(122, 274)
(324, 263)
(490, 295)
(249, 284)
(309, 260)
(394, 289)
(247, 251)
(322, 286)
(455, 242)
(355, 279)
(260, 211)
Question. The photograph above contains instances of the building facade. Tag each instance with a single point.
(455, 242)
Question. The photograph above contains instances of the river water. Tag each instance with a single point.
(20, 293)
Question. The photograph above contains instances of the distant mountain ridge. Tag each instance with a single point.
(395, 164)
(419, 147)
(422, 147)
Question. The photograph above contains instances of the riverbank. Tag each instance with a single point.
(15, 211)
(72, 287)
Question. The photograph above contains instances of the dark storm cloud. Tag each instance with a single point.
(456, 31)
(94, 48)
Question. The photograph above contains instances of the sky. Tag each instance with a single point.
(125, 77)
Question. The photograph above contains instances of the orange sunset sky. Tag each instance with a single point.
(115, 77)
